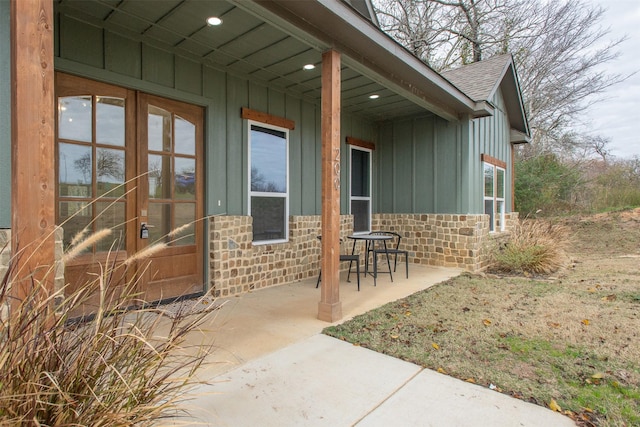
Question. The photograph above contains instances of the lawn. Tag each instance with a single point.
(569, 341)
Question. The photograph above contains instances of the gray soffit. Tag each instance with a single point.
(268, 42)
(481, 80)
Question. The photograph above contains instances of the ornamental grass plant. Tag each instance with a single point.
(127, 364)
(533, 247)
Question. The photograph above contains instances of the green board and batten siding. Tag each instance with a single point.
(491, 136)
(429, 165)
(5, 116)
(417, 171)
(422, 164)
(96, 53)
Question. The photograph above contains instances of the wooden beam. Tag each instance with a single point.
(361, 143)
(267, 118)
(32, 145)
(330, 307)
(493, 161)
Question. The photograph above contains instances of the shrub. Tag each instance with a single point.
(123, 366)
(545, 184)
(534, 247)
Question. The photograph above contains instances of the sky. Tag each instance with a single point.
(617, 117)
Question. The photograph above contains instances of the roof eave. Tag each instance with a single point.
(334, 24)
(517, 137)
(483, 109)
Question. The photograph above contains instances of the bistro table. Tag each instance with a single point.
(370, 244)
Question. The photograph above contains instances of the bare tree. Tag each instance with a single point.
(558, 50)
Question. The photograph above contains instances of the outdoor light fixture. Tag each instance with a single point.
(374, 96)
(213, 21)
(309, 67)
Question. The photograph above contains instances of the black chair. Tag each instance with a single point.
(346, 257)
(392, 248)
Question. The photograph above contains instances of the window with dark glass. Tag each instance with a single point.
(268, 192)
(360, 190)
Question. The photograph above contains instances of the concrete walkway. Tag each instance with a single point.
(272, 367)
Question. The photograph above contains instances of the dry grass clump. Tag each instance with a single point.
(534, 247)
(124, 366)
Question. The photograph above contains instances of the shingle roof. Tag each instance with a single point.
(480, 79)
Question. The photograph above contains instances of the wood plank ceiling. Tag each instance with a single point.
(243, 45)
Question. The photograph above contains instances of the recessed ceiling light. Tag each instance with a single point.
(374, 96)
(309, 67)
(214, 21)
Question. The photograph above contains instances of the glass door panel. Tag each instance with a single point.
(159, 176)
(171, 145)
(91, 164)
(160, 221)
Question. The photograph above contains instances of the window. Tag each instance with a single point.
(360, 190)
(269, 183)
(494, 203)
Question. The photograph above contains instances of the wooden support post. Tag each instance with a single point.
(32, 145)
(330, 307)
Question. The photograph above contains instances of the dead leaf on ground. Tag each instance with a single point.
(585, 322)
(553, 405)
(611, 297)
(486, 322)
(442, 371)
(436, 346)
(470, 380)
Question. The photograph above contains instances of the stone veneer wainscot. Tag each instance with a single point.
(238, 266)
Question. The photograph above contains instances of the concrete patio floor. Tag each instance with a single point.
(271, 366)
(262, 321)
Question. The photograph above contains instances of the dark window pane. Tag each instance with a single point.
(500, 183)
(159, 222)
(488, 210)
(110, 171)
(73, 218)
(185, 178)
(360, 173)
(159, 177)
(111, 216)
(75, 169)
(185, 216)
(268, 218)
(500, 215)
(488, 180)
(268, 160)
(159, 129)
(360, 212)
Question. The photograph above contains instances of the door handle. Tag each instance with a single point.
(144, 230)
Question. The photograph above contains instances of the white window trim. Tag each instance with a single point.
(284, 195)
(495, 199)
(369, 198)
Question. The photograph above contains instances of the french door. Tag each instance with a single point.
(130, 163)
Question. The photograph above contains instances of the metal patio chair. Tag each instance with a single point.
(392, 248)
(346, 257)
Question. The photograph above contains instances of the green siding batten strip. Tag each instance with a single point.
(5, 116)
